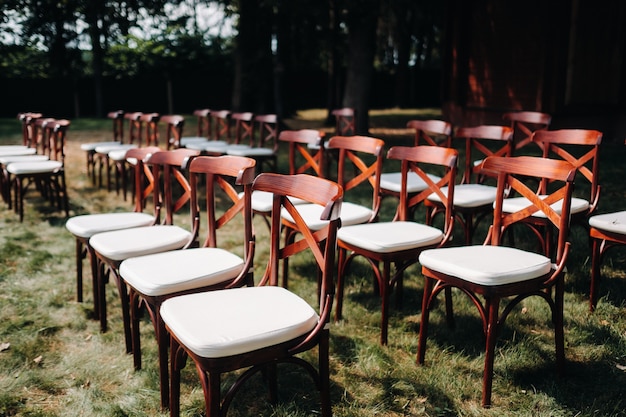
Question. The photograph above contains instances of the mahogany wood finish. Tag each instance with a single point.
(345, 121)
(210, 178)
(174, 125)
(480, 142)
(524, 123)
(414, 159)
(322, 244)
(487, 298)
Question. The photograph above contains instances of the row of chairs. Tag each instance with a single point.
(37, 163)
(351, 236)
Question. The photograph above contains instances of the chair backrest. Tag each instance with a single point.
(345, 121)
(431, 132)
(421, 160)
(221, 120)
(41, 136)
(149, 122)
(55, 132)
(217, 174)
(266, 127)
(243, 128)
(510, 173)
(203, 128)
(172, 190)
(481, 142)
(174, 125)
(134, 127)
(27, 120)
(321, 242)
(118, 125)
(352, 153)
(524, 123)
(143, 178)
(306, 151)
(581, 148)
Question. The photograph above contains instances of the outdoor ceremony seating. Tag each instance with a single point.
(153, 278)
(396, 244)
(255, 328)
(492, 273)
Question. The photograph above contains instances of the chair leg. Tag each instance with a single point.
(324, 374)
(421, 345)
(596, 261)
(133, 300)
(80, 255)
(341, 271)
(163, 345)
(559, 336)
(176, 364)
(384, 295)
(492, 306)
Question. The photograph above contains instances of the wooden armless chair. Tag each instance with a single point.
(345, 121)
(174, 125)
(473, 200)
(203, 128)
(492, 273)
(255, 328)
(524, 123)
(171, 193)
(84, 226)
(221, 138)
(265, 150)
(152, 279)
(398, 243)
(359, 168)
(117, 118)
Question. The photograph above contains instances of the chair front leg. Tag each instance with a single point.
(492, 306)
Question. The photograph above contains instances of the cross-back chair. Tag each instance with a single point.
(581, 148)
(473, 199)
(524, 123)
(345, 121)
(203, 128)
(255, 328)
(84, 226)
(492, 273)
(152, 279)
(117, 118)
(426, 132)
(358, 171)
(397, 244)
(174, 125)
(221, 139)
(171, 194)
(48, 175)
(265, 150)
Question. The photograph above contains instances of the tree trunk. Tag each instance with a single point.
(92, 16)
(361, 46)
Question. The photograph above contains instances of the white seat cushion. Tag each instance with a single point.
(216, 324)
(511, 205)
(123, 244)
(350, 214)
(87, 225)
(486, 265)
(34, 167)
(611, 222)
(12, 147)
(469, 195)
(209, 146)
(5, 160)
(192, 139)
(249, 151)
(262, 201)
(392, 181)
(386, 237)
(11, 151)
(118, 154)
(180, 270)
(105, 149)
(93, 145)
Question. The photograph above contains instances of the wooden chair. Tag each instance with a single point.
(355, 173)
(580, 147)
(84, 226)
(492, 273)
(47, 175)
(152, 279)
(221, 138)
(258, 327)
(89, 148)
(345, 121)
(473, 200)
(265, 151)
(203, 128)
(174, 125)
(171, 193)
(524, 123)
(428, 132)
(398, 243)
(301, 161)
(605, 232)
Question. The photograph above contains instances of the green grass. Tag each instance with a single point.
(59, 364)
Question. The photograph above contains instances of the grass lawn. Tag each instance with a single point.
(55, 362)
